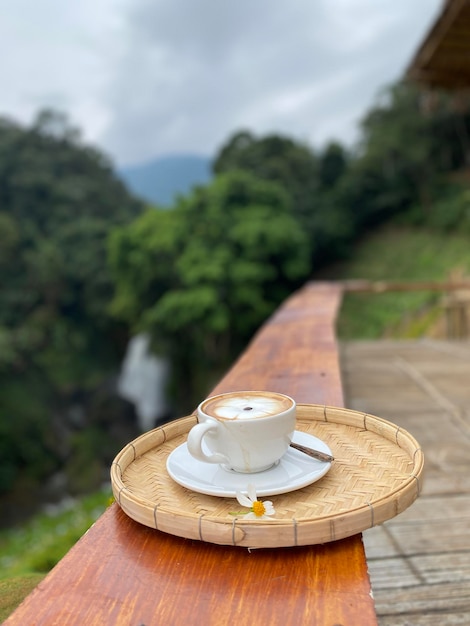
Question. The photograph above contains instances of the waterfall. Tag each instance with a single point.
(142, 381)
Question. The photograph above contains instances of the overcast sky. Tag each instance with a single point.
(142, 78)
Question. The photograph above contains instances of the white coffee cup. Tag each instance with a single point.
(244, 431)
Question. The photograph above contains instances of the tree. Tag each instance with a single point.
(59, 200)
(202, 277)
(332, 164)
(279, 159)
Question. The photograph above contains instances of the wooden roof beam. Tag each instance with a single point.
(436, 62)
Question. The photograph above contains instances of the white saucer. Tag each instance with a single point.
(294, 471)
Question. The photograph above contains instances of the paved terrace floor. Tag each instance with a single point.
(419, 562)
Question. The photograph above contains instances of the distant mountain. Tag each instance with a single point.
(159, 181)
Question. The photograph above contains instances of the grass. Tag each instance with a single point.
(29, 551)
(14, 590)
(399, 254)
(36, 546)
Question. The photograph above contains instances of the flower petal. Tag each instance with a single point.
(257, 517)
(268, 508)
(252, 493)
(243, 499)
(251, 515)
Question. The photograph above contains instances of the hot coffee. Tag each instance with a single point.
(247, 405)
(245, 431)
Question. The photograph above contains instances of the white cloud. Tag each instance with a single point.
(146, 77)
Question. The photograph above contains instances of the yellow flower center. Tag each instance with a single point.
(258, 508)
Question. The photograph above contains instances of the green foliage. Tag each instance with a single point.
(400, 254)
(39, 544)
(14, 590)
(405, 154)
(59, 200)
(333, 164)
(275, 158)
(26, 439)
(450, 210)
(29, 551)
(309, 179)
(202, 277)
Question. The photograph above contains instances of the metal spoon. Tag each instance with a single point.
(315, 454)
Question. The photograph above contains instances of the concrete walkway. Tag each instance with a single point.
(420, 561)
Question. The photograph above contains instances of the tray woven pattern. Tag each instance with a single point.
(377, 474)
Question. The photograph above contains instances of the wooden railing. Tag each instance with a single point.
(455, 301)
(121, 572)
(383, 286)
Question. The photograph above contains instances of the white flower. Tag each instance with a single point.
(258, 509)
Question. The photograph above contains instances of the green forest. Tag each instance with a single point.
(85, 266)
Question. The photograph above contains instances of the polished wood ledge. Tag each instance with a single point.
(121, 572)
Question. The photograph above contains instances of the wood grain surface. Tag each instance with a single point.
(419, 561)
(121, 572)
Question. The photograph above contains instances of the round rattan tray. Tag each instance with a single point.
(377, 474)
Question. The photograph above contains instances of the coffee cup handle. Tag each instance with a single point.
(195, 437)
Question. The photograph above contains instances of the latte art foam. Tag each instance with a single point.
(238, 406)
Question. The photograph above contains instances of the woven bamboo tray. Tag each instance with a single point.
(377, 474)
